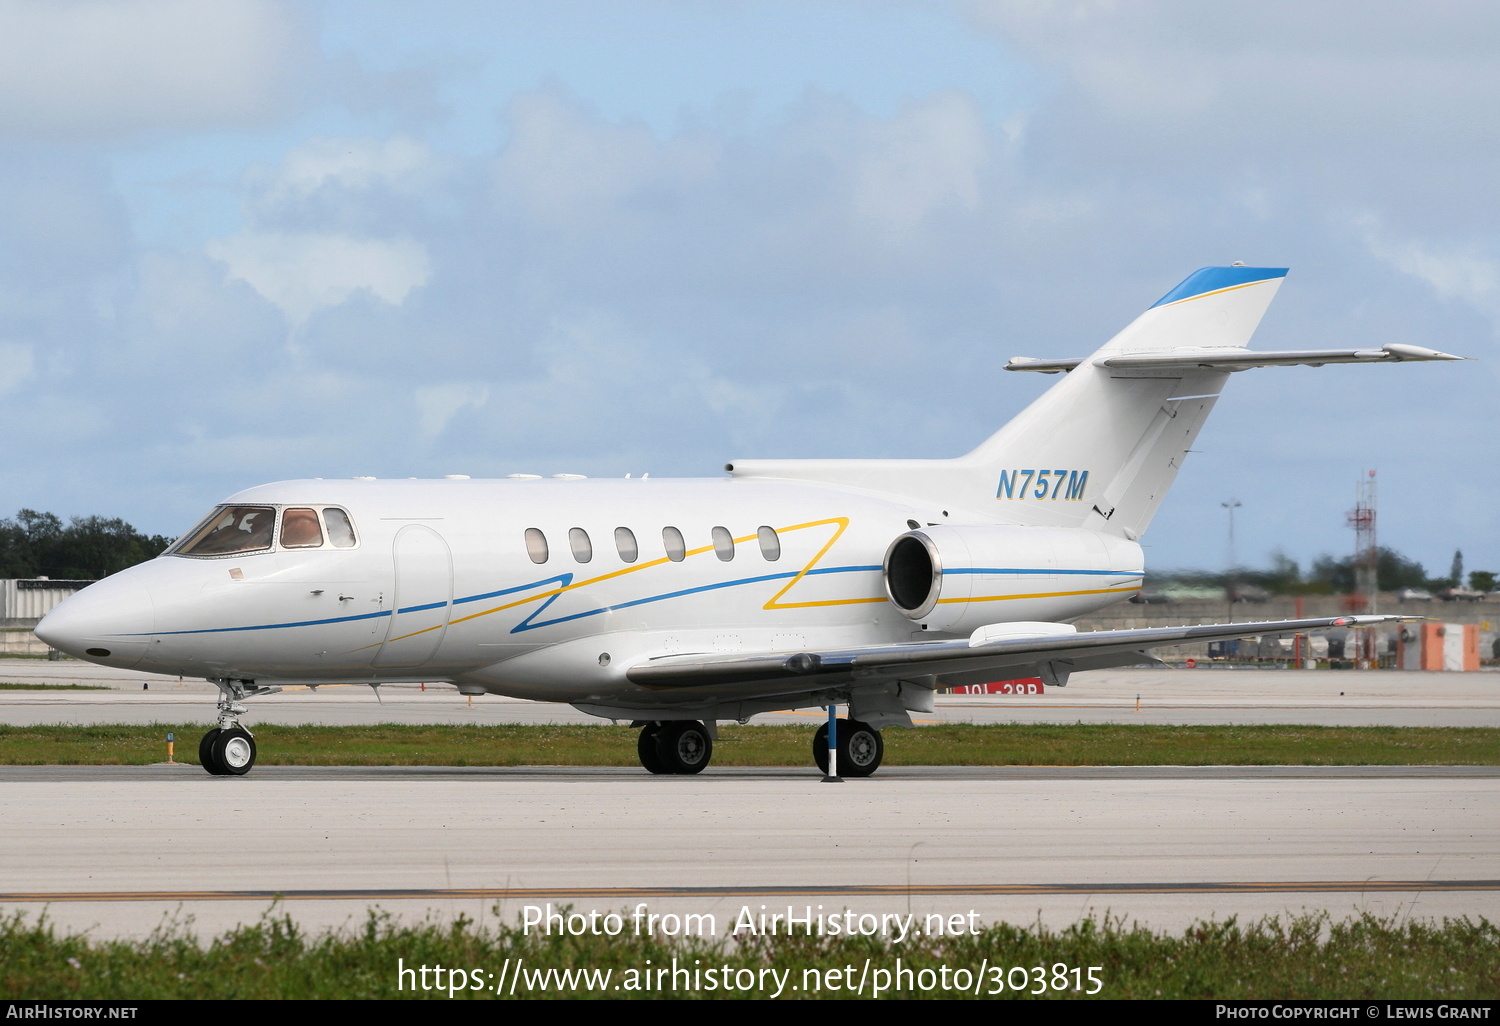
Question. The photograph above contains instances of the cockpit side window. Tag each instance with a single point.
(230, 530)
(300, 529)
(340, 530)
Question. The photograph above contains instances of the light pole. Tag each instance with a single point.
(1232, 505)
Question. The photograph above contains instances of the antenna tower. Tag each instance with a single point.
(1366, 563)
(1366, 554)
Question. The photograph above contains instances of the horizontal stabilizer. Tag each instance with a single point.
(1223, 359)
(875, 663)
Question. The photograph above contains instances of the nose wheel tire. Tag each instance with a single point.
(206, 752)
(860, 747)
(676, 746)
(227, 752)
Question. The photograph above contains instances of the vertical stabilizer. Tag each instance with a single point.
(1101, 447)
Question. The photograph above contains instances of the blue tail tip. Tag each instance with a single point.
(1217, 279)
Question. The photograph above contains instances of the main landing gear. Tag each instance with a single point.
(229, 749)
(685, 746)
(675, 746)
(860, 748)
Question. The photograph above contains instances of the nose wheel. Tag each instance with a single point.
(228, 749)
(228, 752)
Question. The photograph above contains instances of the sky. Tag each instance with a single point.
(244, 241)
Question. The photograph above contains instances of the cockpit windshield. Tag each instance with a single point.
(229, 530)
(232, 530)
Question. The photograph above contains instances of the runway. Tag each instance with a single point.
(119, 849)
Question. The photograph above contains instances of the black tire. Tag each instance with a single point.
(684, 746)
(861, 748)
(234, 751)
(645, 748)
(206, 752)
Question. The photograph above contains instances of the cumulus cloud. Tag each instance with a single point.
(305, 272)
(16, 365)
(566, 165)
(1470, 273)
(1247, 78)
(92, 68)
(926, 159)
(438, 404)
(356, 165)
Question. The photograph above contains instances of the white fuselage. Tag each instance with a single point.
(440, 584)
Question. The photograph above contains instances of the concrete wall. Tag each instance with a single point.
(19, 641)
(24, 602)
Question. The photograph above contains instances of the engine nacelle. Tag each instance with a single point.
(954, 579)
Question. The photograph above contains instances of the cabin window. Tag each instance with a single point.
(671, 540)
(583, 549)
(770, 545)
(230, 530)
(300, 529)
(340, 530)
(625, 545)
(536, 545)
(723, 543)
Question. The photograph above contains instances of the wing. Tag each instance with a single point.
(1053, 650)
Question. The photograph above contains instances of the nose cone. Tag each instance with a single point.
(109, 622)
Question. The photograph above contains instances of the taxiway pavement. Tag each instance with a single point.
(120, 850)
(1163, 696)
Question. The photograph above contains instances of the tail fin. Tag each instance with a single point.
(1101, 447)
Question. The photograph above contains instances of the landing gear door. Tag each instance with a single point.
(422, 600)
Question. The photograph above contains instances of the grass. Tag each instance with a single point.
(7, 686)
(605, 745)
(1306, 957)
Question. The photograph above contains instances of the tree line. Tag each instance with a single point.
(36, 544)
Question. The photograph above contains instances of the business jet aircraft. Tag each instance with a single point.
(680, 603)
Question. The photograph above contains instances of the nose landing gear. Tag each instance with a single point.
(227, 752)
(229, 749)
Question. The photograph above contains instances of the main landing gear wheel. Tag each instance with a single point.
(645, 747)
(861, 748)
(230, 752)
(675, 746)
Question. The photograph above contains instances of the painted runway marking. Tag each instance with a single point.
(842, 890)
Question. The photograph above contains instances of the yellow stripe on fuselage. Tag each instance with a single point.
(773, 603)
